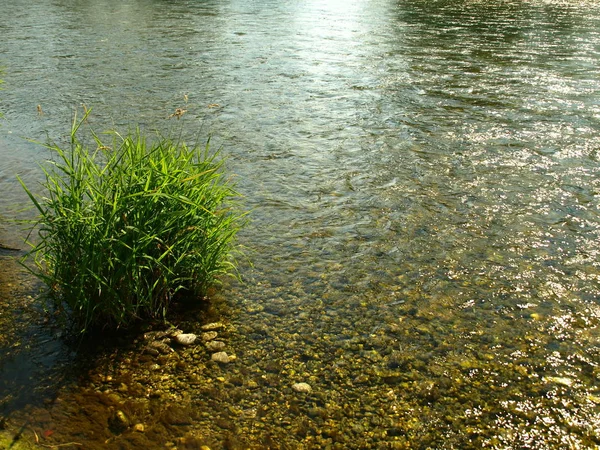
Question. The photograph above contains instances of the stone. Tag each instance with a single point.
(152, 351)
(559, 380)
(303, 388)
(185, 338)
(154, 335)
(160, 347)
(214, 326)
(220, 357)
(118, 422)
(215, 346)
(139, 427)
(209, 336)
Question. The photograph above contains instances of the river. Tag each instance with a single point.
(423, 181)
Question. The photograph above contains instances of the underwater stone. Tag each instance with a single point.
(209, 336)
(220, 357)
(302, 387)
(161, 347)
(185, 338)
(213, 326)
(118, 422)
(559, 380)
(215, 346)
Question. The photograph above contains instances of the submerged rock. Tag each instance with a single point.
(215, 346)
(302, 388)
(160, 347)
(185, 338)
(221, 357)
(209, 336)
(559, 380)
(214, 326)
(118, 422)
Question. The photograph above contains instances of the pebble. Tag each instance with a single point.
(152, 351)
(302, 387)
(154, 335)
(559, 380)
(209, 336)
(161, 347)
(139, 427)
(120, 420)
(221, 357)
(215, 346)
(213, 326)
(185, 338)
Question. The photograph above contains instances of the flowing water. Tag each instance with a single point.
(423, 180)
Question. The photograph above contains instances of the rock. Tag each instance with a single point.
(139, 427)
(160, 347)
(152, 351)
(118, 422)
(154, 335)
(559, 380)
(209, 336)
(185, 338)
(214, 326)
(302, 388)
(220, 357)
(215, 346)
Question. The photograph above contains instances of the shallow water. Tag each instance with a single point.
(423, 181)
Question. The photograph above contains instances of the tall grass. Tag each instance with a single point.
(126, 229)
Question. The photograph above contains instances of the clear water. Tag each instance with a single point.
(424, 183)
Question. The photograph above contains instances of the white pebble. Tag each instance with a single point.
(302, 387)
(185, 338)
(221, 357)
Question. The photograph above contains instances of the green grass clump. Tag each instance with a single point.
(124, 230)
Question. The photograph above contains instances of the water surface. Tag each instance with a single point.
(424, 181)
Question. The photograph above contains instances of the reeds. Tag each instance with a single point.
(126, 229)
